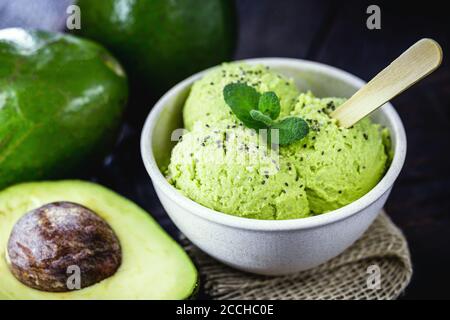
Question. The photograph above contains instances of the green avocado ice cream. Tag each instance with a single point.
(338, 165)
(223, 165)
(229, 170)
(206, 104)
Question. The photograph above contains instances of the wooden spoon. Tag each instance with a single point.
(417, 62)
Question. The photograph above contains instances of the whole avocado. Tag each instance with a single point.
(61, 103)
(161, 42)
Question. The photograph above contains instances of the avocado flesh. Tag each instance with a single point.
(153, 265)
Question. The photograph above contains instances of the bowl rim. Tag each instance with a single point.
(218, 217)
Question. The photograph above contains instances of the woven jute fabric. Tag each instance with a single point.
(377, 266)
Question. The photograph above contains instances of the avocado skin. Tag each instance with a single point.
(161, 42)
(61, 104)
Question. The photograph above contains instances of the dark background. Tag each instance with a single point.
(335, 33)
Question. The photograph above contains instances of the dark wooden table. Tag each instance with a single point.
(335, 33)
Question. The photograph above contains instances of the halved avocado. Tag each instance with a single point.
(152, 265)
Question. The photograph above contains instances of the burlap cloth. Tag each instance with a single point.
(344, 277)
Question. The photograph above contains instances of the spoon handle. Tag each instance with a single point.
(414, 64)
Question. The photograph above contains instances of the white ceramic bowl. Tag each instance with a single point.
(267, 246)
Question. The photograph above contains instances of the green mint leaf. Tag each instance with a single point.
(269, 104)
(261, 117)
(242, 99)
(290, 130)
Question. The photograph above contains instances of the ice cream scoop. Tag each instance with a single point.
(206, 104)
(226, 168)
(338, 165)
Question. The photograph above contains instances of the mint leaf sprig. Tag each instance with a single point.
(259, 111)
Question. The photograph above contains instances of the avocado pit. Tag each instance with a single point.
(48, 240)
